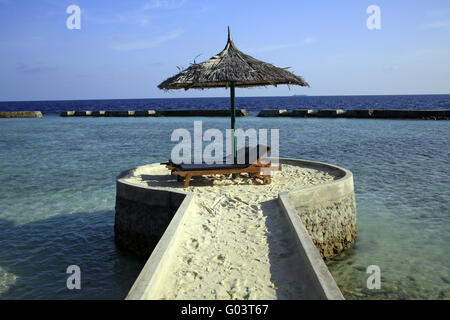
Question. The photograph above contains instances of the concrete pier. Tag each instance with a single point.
(20, 114)
(412, 114)
(82, 113)
(100, 113)
(296, 113)
(300, 113)
(359, 114)
(119, 113)
(109, 113)
(272, 113)
(68, 113)
(200, 113)
(145, 113)
(399, 114)
(329, 113)
(153, 113)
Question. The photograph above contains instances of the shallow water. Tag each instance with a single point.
(57, 195)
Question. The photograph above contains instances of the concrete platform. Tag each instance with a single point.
(20, 114)
(172, 208)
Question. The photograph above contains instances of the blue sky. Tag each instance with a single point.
(124, 49)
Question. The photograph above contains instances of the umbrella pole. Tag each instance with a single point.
(233, 119)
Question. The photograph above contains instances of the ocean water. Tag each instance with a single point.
(57, 197)
(251, 104)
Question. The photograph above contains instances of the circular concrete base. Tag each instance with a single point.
(327, 210)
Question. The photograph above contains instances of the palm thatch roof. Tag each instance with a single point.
(231, 65)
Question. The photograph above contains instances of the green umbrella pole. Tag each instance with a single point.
(233, 120)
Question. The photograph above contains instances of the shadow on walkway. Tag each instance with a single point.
(289, 271)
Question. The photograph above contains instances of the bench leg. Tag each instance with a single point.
(187, 180)
(267, 179)
(256, 176)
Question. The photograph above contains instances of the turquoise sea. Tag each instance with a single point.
(57, 197)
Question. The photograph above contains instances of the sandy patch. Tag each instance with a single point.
(235, 243)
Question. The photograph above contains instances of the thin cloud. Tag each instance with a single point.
(11, 43)
(269, 48)
(164, 4)
(438, 13)
(145, 44)
(138, 16)
(130, 18)
(274, 47)
(22, 42)
(429, 52)
(33, 69)
(443, 24)
(84, 75)
(309, 40)
(392, 69)
(133, 18)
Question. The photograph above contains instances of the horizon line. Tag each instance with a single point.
(212, 97)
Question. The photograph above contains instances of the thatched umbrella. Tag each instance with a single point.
(231, 68)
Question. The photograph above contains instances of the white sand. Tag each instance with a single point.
(235, 244)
